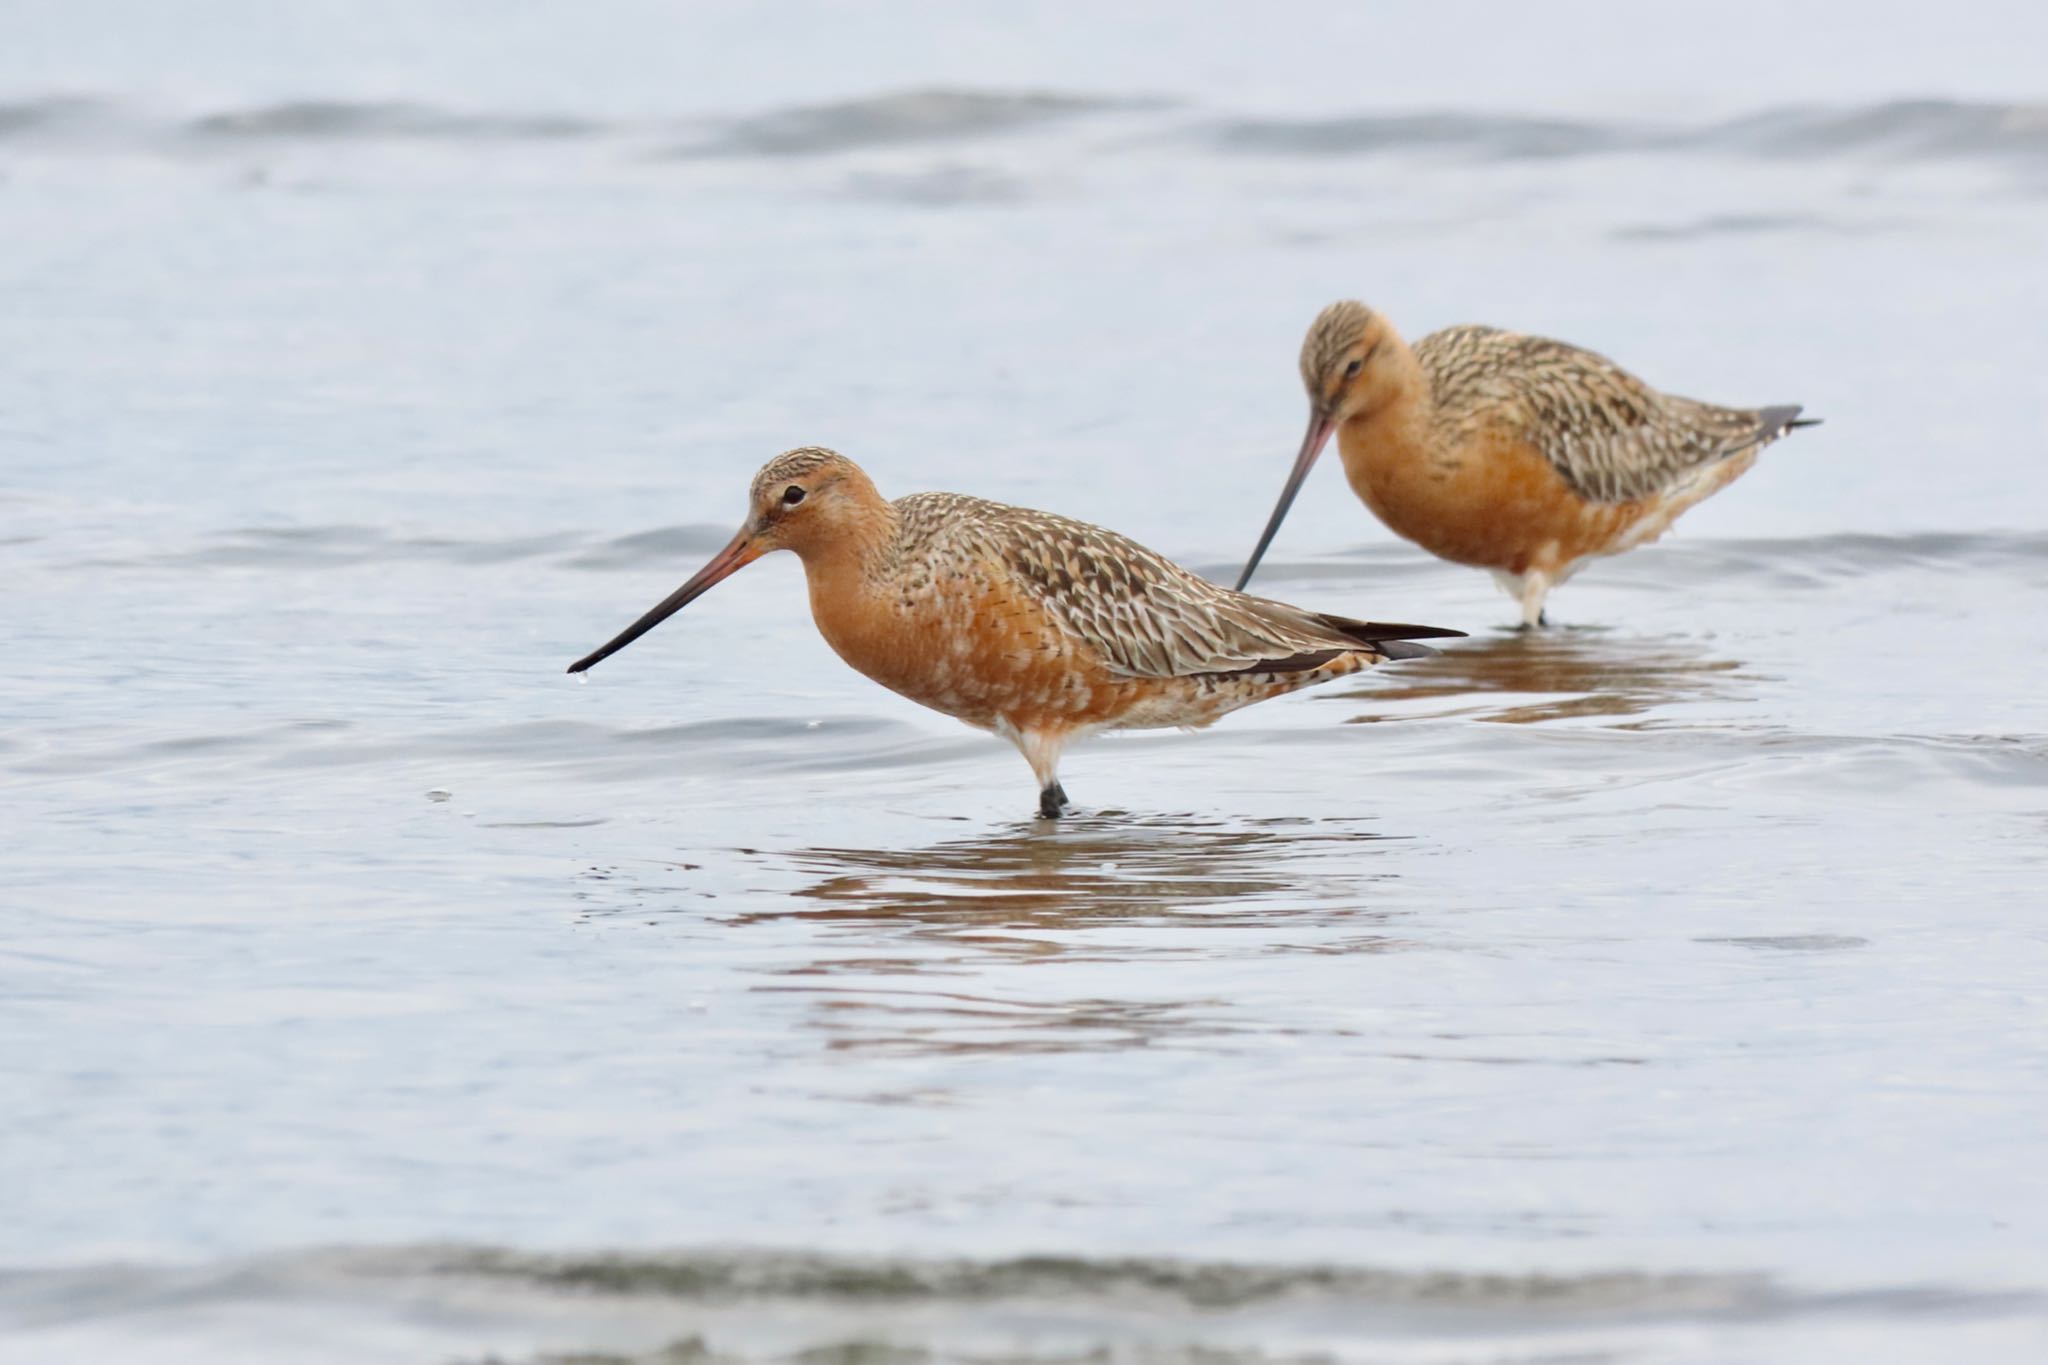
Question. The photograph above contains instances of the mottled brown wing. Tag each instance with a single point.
(1147, 617)
(1612, 437)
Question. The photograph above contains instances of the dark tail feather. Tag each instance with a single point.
(1773, 422)
(1372, 632)
(1388, 639)
(1381, 639)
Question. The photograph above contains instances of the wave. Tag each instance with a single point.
(888, 120)
(1739, 225)
(345, 545)
(1807, 561)
(445, 1302)
(1498, 137)
(681, 546)
(1189, 1284)
(938, 187)
(1489, 682)
(1900, 129)
(1915, 129)
(566, 749)
(1909, 128)
(48, 112)
(1781, 561)
(386, 119)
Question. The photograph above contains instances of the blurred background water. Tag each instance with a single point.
(1665, 987)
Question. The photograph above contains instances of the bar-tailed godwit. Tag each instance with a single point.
(1513, 453)
(1038, 628)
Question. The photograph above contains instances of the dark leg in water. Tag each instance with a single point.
(1052, 801)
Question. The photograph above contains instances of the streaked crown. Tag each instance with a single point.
(793, 465)
(1335, 331)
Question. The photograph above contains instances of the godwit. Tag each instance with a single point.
(1036, 627)
(1513, 453)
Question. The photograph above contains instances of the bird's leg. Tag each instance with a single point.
(1536, 586)
(1041, 749)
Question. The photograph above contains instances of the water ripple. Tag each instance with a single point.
(386, 119)
(904, 117)
(716, 1305)
(1899, 129)
(1903, 129)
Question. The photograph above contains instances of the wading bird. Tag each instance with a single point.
(1038, 628)
(1508, 452)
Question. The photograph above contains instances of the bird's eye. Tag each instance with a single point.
(792, 495)
(1351, 370)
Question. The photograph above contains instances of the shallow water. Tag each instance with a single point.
(1664, 987)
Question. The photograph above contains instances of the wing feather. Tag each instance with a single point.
(1143, 615)
(1612, 437)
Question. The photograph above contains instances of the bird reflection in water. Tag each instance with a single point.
(1108, 870)
(1522, 677)
(1107, 888)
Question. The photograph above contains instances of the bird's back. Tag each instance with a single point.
(1140, 614)
(1610, 436)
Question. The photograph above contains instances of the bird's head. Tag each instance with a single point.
(802, 500)
(1337, 361)
(1344, 367)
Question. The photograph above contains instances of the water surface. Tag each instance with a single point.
(1664, 987)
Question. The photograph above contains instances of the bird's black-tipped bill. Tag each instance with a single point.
(1319, 427)
(735, 556)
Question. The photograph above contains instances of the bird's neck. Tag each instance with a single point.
(845, 565)
(1398, 422)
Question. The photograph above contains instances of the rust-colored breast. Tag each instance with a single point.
(1493, 501)
(1008, 618)
(962, 638)
(1515, 452)
(969, 638)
